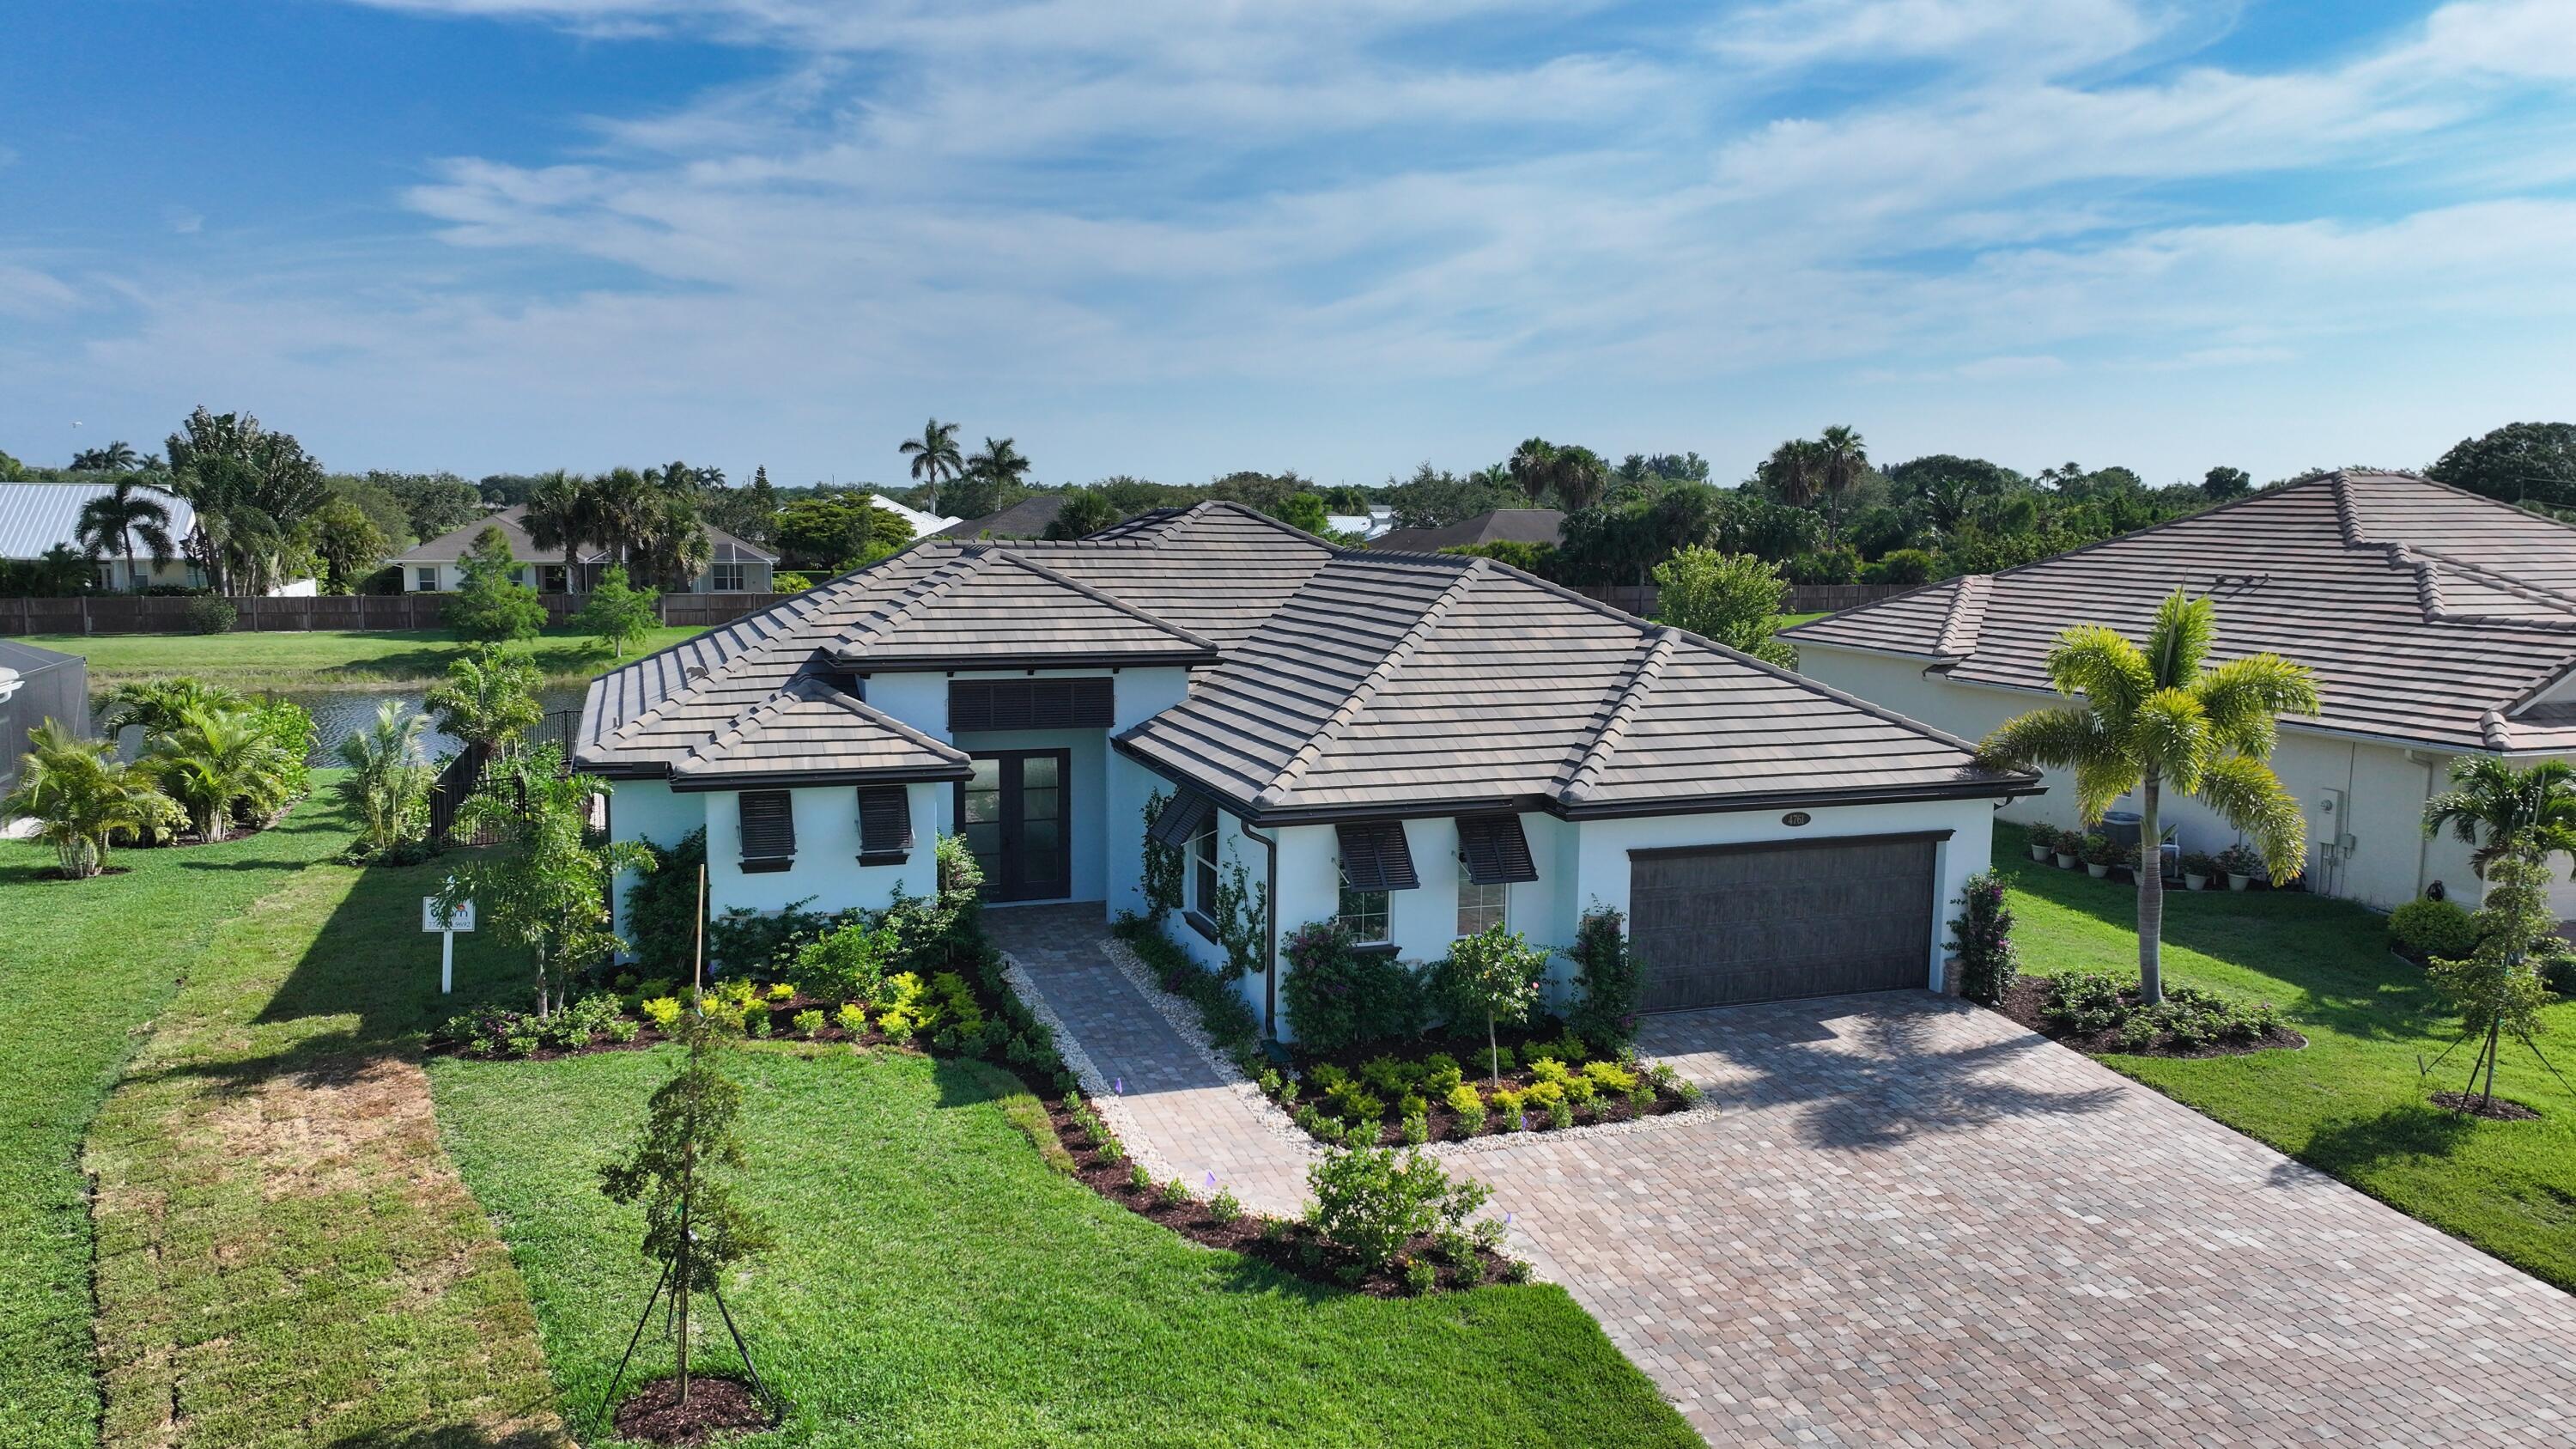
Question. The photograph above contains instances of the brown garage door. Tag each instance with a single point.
(1724, 925)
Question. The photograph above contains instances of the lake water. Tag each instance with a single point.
(340, 713)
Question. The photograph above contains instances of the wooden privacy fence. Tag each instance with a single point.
(129, 614)
(1639, 599)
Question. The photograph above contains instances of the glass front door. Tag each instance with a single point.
(1014, 815)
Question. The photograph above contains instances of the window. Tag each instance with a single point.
(424, 580)
(550, 579)
(885, 825)
(768, 822)
(1203, 878)
(726, 577)
(1482, 907)
(1030, 704)
(1364, 913)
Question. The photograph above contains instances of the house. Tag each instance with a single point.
(923, 524)
(438, 565)
(34, 517)
(1417, 745)
(1502, 525)
(2440, 625)
(1031, 517)
(1372, 524)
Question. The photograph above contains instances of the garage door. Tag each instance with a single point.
(1724, 925)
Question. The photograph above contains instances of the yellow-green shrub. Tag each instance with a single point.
(1611, 1077)
(663, 1011)
(1462, 1098)
(853, 1018)
(1549, 1069)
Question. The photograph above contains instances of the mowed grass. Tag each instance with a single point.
(82, 965)
(2353, 1103)
(284, 1254)
(935, 1283)
(324, 658)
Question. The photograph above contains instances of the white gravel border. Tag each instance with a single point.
(1182, 1015)
(1105, 1104)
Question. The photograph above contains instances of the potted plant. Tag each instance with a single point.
(2197, 868)
(2240, 865)
(2043, 842)
(2099, 855)
(2063, 846)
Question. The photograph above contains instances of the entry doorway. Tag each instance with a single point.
(1013, 813)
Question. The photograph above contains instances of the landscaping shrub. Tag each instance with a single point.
(1982, 936)
(2090, 1003)
(1162, 871)
(1223, 1013)
(1370, 1201)
(662, 1011)
(809, 1023)
(1605, 980)
(848, 963)
(2240, 859)
(1340, 997)
(210, 614)
(662, 908)
(2426, 927)
(762, 945)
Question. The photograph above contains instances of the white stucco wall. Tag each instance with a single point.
(648, 810)
(2377, 855)
(826, 868)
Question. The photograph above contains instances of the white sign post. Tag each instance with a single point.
(446, 925)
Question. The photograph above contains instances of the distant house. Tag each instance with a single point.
(34, 517)
(1028, 518)
(1364, 526)
(1503, 525)
(923, 524)
(438, 566)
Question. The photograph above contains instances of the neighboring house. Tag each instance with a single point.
(923, 524)
(2440, 625)
(1418, 746)
(36, 516)
(1031, 517)
(1363, 526)
(438, 566)
(1503, 525)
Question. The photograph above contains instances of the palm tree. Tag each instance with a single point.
(1842, 461)
(214, 758)
(621, 500)
(934, 457)
(81, 795)
(1533, 468)
(1577, 477)
(158, 704)
(388, 775)
(1794, 470)
(116, 457)
(1000, 464)
(489, 699)
(111, 522)
(2157, 717)
(560, 516)
(2529, 813)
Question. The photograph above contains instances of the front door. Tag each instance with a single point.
(1014, 814)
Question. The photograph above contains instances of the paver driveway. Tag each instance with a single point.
(1918, 1223)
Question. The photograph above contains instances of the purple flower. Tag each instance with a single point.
(1118, 1087)
(1211, 1181)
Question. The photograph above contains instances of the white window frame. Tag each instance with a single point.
(716, 577)
(424, 578)
(1201, 863)
(1482, 907)
(1352, 909)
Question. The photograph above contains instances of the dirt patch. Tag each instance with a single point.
(717, 1408)
(2026, 1001)
(339, 1129)
(2471, 1104)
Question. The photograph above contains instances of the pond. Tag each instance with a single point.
(340, 713)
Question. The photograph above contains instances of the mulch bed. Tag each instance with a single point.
(781, 1028)
(1291, 1247)
(1444, 1123)
(2472, 1105)
(2024, 1003)
(717, 1407)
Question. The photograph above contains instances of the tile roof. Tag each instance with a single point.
(2430, 615)
(1502, 525)
(813, 732)
(36, 516)
(1348, 682)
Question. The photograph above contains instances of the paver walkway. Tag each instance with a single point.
(1917, 1223)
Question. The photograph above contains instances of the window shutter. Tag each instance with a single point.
(768, 830)
(885, 825)
(1374, 856)
(1496, 851)
(1183, 817)
(1030, 704)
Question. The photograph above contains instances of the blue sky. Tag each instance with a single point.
(1172, 237)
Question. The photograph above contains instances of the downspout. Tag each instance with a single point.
(1270, 930)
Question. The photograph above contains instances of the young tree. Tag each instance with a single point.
(489, 699)
(1496, 972)
(388, 777)
(2163, 716)
(681, 1171)
(214, 757)
(2496, 991)
(616, 614)
(81, 795)
(546, 889)
(1734, 599)
(491, 607)
(2529, 813)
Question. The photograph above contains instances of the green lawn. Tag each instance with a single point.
(321, 658)
(85, 963)
(2352, 1103)
(1792, 621)
(936, 1284)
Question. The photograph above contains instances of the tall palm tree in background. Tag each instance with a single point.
(2529, 813)
(621, 500)
(111, 522)
(1841, 463)
(1577, 477)
(1795, 470)
(2162, 716)
(116, 457)
(560, 516)
(80, 795)
(1000, 464)
(934, 457)
(1533, 469)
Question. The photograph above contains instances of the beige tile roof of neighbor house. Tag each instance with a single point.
(2430, 615)
(1332, 682)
